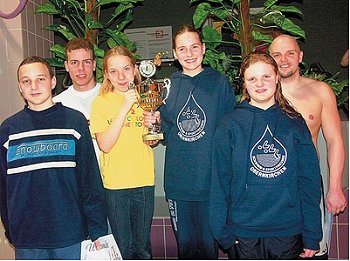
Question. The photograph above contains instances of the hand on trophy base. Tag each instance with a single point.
(153, 137)
(153, 134)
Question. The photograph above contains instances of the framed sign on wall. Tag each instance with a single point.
(152, 40)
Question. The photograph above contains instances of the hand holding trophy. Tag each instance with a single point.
(152, 93)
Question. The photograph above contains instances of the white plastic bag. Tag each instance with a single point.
(109, 249)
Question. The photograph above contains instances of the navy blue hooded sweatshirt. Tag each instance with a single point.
(51, 193)
(266, 179)
(189, 118)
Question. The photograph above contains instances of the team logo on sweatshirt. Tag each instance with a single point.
(268, 156)
(191, 120)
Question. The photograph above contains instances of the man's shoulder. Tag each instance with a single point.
(312, 84)
(63, 94)
(69, 92)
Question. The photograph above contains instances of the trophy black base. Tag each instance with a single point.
(152, 136)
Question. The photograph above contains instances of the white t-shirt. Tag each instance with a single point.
(80, 101)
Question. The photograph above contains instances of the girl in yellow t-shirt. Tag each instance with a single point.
(127, 164)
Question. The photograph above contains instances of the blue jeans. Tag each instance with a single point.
(130, 214)
(65, 253)
(190, 222)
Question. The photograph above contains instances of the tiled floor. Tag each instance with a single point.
(164, 244)
(163, 239)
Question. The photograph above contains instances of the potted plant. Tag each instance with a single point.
(249, 31)
(82, 18)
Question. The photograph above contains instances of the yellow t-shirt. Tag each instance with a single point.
(130, 163)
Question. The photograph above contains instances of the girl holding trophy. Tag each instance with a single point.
(127, 163)
(198, 98)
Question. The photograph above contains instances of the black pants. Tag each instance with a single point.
(266, 248)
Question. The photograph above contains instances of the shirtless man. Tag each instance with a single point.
(316, 102)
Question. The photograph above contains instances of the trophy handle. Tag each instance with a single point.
(167, 85)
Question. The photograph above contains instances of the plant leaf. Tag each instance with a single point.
(58, 50)
(211, 58)
(121, 9)
(120, 38)
(55, 62)
(126, 19)
(75, 4)
(270, 3)
(291, 27)
(92, 24)
(111, 43)
(258, 36)
(277, 18)
(211, 37)
(98, 52)
(47, 8)
(201, 14)
(125, 2)
(61, 29)
(221, 13)
(287, 9)
(213, 1)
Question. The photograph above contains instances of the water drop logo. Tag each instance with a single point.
(268, 156)
(191, 120)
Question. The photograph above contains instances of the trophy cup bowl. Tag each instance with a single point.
(151, 95)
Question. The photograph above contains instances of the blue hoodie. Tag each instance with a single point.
(189, 118)
(266, 179)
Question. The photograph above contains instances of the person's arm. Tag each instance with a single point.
(92, 193)
(110, 136)
(331, 128)
(309, 188)
(3, 190)
(220, 189)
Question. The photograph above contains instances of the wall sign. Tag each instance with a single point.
(152, 40)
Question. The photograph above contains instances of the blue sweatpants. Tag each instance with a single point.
(190, 222)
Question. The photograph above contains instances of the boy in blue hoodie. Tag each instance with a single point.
(265, 190)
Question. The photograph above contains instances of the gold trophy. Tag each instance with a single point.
(152, 93)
